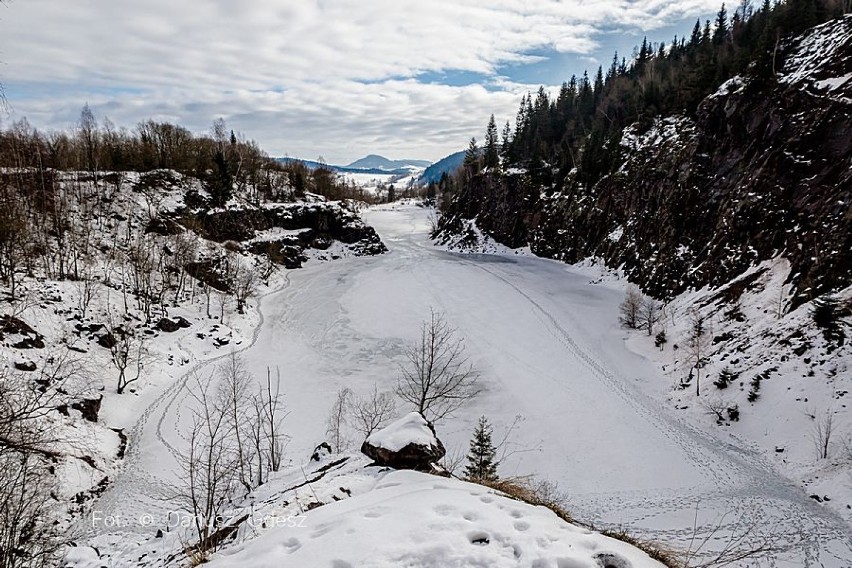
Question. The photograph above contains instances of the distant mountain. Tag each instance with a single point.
(400, 167)
(374, 161)
(447, 165)
(312, 165)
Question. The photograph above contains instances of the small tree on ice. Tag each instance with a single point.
(481, 460)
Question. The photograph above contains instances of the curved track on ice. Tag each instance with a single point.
(545, 341)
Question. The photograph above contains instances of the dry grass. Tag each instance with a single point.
(546, 494)
(532, 491)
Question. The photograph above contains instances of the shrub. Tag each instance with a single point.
(726, 377)
(734, 413)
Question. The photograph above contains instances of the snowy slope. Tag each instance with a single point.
(418, 520)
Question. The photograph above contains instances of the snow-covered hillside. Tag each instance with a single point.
(140, 302)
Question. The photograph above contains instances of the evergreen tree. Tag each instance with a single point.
(481, 460)
(471, 158)
(491, 157)
(506, 143)
(221, 185)
(720, 34)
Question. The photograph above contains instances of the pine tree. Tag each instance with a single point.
(471, 158)
(481, 460)
(506, 143)
(491, 157)
(720, 34)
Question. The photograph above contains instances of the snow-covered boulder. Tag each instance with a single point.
(408, 443)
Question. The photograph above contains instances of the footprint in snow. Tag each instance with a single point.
(521, 526)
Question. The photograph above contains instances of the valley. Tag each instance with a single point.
(546, 340)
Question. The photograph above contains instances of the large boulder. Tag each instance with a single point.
(408, 443)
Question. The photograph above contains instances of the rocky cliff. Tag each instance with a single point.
(763, 169)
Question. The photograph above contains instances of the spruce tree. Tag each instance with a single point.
(481, 460)
(471, 158)
(491, 158)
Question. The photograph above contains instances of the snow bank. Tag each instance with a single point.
(418, 520)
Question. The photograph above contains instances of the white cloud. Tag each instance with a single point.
(301, 76)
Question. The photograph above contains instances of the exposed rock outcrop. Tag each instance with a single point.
(284, 230)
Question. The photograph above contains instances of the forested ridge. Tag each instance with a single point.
(657, 168)
(581, 126)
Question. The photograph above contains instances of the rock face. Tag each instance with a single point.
(408, 443)
(762, 170)
(31, 339)
(302, 226)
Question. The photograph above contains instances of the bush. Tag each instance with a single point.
(754, 393)
(827, 313)
(726, 377)
(660, 340)
(734, 413)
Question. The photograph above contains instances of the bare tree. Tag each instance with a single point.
(630, 308)
(87, 288)
(143, 261)
(717, 407)
(28, 536)
(14, 231)
(29, 442)
(234, 398)
(697, 344)
(128, 350)
(184, 251)
(453, 459)
(749, 538)
(210, 467)
(336, 421)
(823, 428)
(649, 314)
(245, 284)
(438, 377)
(268, 436)
(373, 412)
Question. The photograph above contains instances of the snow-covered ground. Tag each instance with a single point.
(419, 520)
(371, 182)
(546, 340)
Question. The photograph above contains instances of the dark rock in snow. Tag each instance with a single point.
(89, 408)
(10, 325)
(168, 326)
(163, 227)
(107, 340)
(313, 225)
(321, 452)
(25, 366)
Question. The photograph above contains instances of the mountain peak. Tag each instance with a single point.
(375, 161)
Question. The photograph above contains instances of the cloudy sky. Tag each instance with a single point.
(309, 78)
